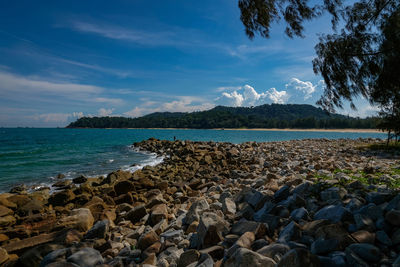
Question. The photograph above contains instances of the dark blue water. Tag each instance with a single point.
(36, 156)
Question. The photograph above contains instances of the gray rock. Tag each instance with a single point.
(86, 257)
(274, 251)
(393, 217)
(321, 246)
(367, 252)
(99, 230)
(258, 244)
(376, 197)
(188, 257)
(195, 210)
(244, 257)
(263, 212)
(228, 206)
(302, 189)
(333, 193)
(211, 229)
(371, 210)
(299, 257)
(364, 222)
(282, 193)
(290, 233)
(396, 237)
(383, 238)
(62, 264)
(54, 256)
(333, 213)
(299, 214)
(205, 260)
(243, 226)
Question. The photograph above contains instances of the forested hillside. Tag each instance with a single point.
(264, 116)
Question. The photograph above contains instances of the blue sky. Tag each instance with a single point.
(60, 60)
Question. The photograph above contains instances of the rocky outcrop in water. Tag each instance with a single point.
(296, 203)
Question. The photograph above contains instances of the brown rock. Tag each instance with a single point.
(7, 221)
(151, 260)
(158, 212)
(123, 187)
(363, 236)
(3, 238)
(5, 211)
(80, 219)
(188, 257)
(136, 214)
(192, 227)
(3, 255)
(246, 240)
(62, 198)
(147, 239)
(154, 248)
(31, 242)
(19, 200)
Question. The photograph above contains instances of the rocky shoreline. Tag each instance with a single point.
(294, 203)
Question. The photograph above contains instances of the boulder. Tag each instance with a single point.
(158, 213)
(228, 206)
(333, 213)
(211, 229)
(188, 257)
(299, 257)
(195, 210)
(123, 187)
(99, 230)
(274, 251)
(62, 198)
(80, 219)
(4, 211)
(86, 257)
(244, 257)
(367, 252)
(136, 214)
(147, 239)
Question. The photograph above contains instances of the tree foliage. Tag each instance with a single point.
(362, 58)
(265, 116)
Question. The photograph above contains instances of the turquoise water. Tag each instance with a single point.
(36, 156)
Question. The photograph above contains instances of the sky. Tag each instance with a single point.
(61, 60)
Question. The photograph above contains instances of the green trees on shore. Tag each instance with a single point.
(265, 116)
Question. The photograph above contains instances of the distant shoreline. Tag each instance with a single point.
(261, 129)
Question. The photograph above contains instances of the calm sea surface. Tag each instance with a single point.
(36, 156)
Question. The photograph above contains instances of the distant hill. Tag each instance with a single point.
(264, 116)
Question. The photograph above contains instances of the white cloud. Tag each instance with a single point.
(103, 112)
(181, 104)
(13, 86)
(278, 97)
(248, 96)
(305, 87)
(56, 117)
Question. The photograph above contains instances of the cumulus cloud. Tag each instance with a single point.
(248, 96)
(105, 112)
(277, 97)
(307, 88)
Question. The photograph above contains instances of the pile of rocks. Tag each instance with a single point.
(295, 203)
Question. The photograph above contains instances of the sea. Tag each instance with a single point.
(36, 156)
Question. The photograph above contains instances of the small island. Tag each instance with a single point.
(267, 116)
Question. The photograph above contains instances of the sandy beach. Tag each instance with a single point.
(271, 129)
